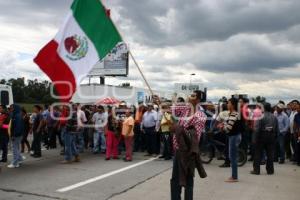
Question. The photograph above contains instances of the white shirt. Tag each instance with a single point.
(81, 118)
(159, 118)
(223, 116)
(100, 120)
(292, 117)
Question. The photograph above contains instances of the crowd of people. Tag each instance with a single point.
(107, 130)
(269, 134)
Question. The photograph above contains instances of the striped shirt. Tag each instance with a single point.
(233, 124)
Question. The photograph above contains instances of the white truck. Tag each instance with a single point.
(6, 95)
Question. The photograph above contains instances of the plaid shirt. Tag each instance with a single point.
(197, 120)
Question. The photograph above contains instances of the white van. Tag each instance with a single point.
(6, 95)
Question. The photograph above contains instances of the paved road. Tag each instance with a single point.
(95, 178)
(40, 179)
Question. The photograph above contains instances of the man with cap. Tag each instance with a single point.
(283, 124)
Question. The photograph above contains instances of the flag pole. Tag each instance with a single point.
(139, 69)
(131, 55)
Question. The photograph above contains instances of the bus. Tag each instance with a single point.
(6, 95)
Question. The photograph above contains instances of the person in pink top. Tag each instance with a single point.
(127, 132)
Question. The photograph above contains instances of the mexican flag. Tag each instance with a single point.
(86, 36)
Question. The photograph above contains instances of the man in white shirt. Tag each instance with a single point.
(283, 124)
(100, 120)
(294, 112)
(81, 120)
(148, 126)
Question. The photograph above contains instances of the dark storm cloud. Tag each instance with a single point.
(198, 20)
(248, 55)
(34, 12)
(242, 53)
(177, 23)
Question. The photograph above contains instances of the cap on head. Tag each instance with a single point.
(281, 106)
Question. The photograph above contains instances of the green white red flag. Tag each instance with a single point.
(86, 36)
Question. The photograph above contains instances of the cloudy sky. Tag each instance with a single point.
(233, 46)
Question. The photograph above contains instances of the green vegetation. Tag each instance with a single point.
(30, 92)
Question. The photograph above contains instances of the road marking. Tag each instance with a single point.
(92, 180)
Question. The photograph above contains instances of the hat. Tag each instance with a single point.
(281, 106)
(149, 104)
(123, 103)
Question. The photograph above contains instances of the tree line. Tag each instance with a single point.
(30, 91)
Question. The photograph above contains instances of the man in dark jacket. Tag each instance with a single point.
(37, 132)
(265, 133)
(186, 147)
(16, 131)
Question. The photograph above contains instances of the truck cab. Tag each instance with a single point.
(6, 95)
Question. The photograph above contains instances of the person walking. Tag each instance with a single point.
(16, 134)
(264, 138)
(283, 123)
(233, 127)
(127, 132)
(4, 137)
(148, 126)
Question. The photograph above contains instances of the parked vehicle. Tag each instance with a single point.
(6, 95)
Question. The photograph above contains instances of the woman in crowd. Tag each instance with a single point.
(127, 132)
(112, 141)
(233, 127)
(4, 137)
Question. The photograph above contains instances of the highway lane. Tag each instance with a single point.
(43, 178)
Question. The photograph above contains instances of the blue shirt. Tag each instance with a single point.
(283, 123)
(149, 119)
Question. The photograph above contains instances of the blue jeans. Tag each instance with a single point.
(281, 142)
(62, 134)
(234, 142)
(70, 146)
(16, 144)
(99, 140)
(80, 140)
